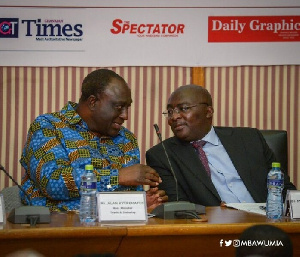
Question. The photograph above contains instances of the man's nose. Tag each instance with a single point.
(175, 114)
(124, 113)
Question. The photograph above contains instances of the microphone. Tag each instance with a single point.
(27, 214)
(169, 162)
(178, 209)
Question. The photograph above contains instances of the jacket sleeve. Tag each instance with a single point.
(156, 159)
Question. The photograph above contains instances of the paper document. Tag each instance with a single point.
(259, 208)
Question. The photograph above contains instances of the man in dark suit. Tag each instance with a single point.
(236, 160)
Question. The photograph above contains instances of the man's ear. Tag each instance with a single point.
(210, 112)
(91, 101)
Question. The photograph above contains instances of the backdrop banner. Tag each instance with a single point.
(149, 36)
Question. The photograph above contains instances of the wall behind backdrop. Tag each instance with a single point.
(264, 97)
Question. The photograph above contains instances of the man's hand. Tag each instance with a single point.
(138, 174)
(223, 204)
(155, 197)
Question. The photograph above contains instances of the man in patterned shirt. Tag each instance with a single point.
(60, 144)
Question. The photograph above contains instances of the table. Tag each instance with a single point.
(66, 237)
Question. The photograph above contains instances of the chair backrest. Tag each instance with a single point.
(277, 141)
(11, 197)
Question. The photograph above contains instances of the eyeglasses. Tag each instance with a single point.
(181, 109)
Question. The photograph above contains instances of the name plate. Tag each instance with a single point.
(2, 210)
(294, 202)
(122, 207)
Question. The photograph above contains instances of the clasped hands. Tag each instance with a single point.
(140, 174)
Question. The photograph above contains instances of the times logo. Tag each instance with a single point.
(9, 28)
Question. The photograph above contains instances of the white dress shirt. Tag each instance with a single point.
(223, 174)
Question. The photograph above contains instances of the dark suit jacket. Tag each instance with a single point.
(247, 149)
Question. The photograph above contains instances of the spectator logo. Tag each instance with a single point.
(147, 29)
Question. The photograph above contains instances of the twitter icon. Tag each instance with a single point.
(228, 243)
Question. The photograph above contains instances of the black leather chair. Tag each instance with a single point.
(277, 141)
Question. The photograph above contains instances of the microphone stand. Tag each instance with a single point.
(178, 209)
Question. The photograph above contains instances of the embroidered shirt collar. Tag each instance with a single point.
(69, 111)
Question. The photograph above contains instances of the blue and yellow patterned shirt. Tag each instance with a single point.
(58, 147)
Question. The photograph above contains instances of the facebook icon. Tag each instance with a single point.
(9, 27)
(221, 242)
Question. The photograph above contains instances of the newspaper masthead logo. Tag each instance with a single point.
(9, 27)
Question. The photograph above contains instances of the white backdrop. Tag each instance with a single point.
(148, 35)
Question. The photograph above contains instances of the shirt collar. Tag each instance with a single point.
(211, 137)
(69, 111)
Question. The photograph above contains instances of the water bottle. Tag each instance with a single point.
(88, 201)
(275, 181)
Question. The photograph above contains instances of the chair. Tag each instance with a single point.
(277, 141)
(11, 198)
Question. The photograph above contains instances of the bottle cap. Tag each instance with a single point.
(276, 164)
(89, 167)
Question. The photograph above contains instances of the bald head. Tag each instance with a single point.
(194, 92)
(191, 112)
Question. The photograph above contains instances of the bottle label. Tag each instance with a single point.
(275, 182)
(89, 185)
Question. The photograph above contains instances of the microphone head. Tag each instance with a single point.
(157, 132)
(156, 128)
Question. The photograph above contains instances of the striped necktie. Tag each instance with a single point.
(198, 145)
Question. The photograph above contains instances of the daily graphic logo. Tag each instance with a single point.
(253, 29)
(9, 27)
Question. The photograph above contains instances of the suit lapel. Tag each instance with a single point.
(235, 148)
(187, 156)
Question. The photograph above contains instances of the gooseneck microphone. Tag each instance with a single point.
(178, 209)
(27, 214)
(169, 162)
